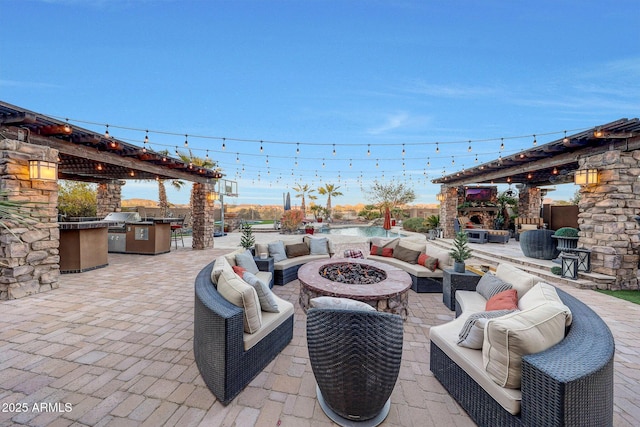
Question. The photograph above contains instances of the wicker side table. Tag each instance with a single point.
(452, 282)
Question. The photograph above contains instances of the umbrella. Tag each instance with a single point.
(287, 203)
(387, 220)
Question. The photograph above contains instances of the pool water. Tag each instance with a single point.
(360, 232)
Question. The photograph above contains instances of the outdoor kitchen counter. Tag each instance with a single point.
(83, 246)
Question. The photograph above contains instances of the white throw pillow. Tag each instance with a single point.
(246, 261)
(277, 251)
(444, 259)
(340, 304)
(527, 227)
(218, 266)
(318, 246)
(508, 338)
(265, 295)
(239, 293)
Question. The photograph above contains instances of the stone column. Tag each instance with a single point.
(529, 203)
(29, 255)
(448, 210)
(109, 198)
(202, 215)
(606, 219)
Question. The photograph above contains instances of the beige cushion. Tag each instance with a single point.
(218, 265)
(231, 257)
(413, 245)
(239, 293)
(541, 293)
(445, 336)
(444, 259)
(291, 262)
(340, 304)
(413, 269)
(472, 333)
(508, 338)
(270, 321)
(470, 302)
(526, 227)
(520, 280)
(382, 242)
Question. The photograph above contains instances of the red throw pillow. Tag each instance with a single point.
(428, 261)
(239, 270)
(506, 300)
(386, 252)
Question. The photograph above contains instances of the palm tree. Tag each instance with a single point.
(163, 202)
(330, 190)
(302, 190)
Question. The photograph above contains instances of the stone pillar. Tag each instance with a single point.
(109, 198)
(529, 203)
(202, 202)
(29, 255)
(606, 219)
(448, 210)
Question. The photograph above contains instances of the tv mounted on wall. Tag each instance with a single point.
(478, 194)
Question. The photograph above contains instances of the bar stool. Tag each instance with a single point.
(176, 230)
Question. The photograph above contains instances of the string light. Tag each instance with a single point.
(297, 148)
(428, 162)
(368, 149)
(501, 144)
(334, 149)
(237, 157)
(186, 141)
(469, 149)
(437, 148)
(565, 139)
(224, 145)
(403, 152)
(261, 149)
(146, 137)
(535, 141)
(106, 132)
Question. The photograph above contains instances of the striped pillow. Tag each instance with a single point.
(490, 285)
(472, 333)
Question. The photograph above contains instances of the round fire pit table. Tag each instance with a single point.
(389, 295)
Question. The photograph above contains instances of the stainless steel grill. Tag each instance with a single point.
(118, 220)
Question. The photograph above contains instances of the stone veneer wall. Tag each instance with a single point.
(529, 203)
(29, 255)
(109, 198)
(606, 218)
(448, 210)
(202, 215)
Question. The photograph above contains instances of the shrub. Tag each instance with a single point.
(291, 220)
(556, 270)
(566, 232)
(413, 224)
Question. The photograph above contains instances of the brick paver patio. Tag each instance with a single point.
(115, 344)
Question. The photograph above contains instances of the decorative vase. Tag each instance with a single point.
(458, 267)
(308, 230)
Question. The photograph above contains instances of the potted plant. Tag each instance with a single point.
(433, 223)
(460, 252)
(567, 238)
(308, 229)
(247, 240)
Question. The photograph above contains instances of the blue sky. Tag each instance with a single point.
(323, 75)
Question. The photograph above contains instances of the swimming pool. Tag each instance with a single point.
(360, 232)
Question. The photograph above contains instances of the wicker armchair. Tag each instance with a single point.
(355, 357)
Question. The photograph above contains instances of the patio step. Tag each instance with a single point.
(494, 254)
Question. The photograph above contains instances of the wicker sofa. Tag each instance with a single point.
(227, 357)
(568, 384)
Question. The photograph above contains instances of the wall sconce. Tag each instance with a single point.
(213, 196)
(586, 177)
(43, 170)
(440, 197)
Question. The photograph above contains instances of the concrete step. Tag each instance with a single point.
(496, 253)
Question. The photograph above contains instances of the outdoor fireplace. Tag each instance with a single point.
(382, 286)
